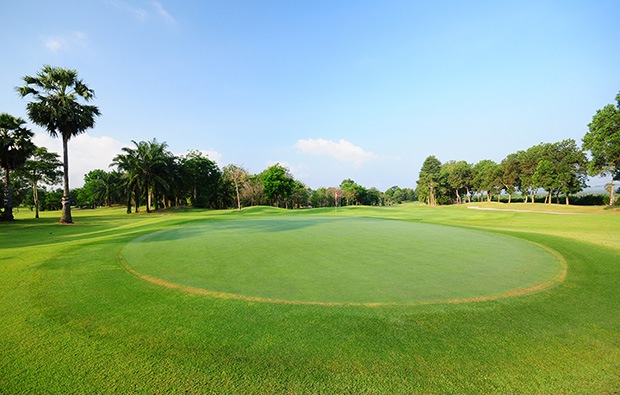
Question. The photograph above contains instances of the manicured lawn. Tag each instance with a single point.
(344, 260)
(73, 319)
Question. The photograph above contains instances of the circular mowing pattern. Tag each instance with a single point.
(344, 260)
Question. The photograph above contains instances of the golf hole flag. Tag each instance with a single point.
(336, 206)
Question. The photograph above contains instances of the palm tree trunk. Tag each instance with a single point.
(7, 215)
(65, 217)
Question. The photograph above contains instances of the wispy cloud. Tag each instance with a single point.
(140, 13)
(163, 13)
(344, 151)
(65, 43)
(155, 10)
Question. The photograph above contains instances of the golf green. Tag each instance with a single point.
(344, 260)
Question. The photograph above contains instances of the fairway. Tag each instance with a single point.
(345, 260)
(273, 301)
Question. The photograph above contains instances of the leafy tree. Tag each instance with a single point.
(545, 177)
(278, 183)
(53, 199)
(349, 190)
(15, 148)
(57, 108)
(508, 174)
(41, 167)
(237, 175)
(571, 167)
(204, 179)
(458, 176)
(429, 180)
(300, 195)
(253, 190)
(485, 177)
(603, 142)
(528, 161)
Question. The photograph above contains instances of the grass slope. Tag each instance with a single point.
(72, 320)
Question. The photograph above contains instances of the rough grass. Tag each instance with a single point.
(72, 320)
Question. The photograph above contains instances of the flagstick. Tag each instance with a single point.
(336, 205)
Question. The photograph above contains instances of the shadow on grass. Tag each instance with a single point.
(245, 225)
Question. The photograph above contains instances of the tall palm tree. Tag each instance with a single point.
(15, 147)
(57, 94)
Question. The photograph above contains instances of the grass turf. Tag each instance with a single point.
(349, 260)
(73, 321)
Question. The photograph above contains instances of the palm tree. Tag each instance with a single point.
(15, 147)
(56, 106)
(145, 166)
(128, 163)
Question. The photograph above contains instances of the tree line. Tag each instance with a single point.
(556, 168)
(147, 174)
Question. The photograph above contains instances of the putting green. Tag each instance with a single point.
(344, 260)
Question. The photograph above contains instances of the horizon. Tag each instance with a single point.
(332, 91)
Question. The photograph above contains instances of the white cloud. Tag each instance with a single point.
(163, 13)
(86, 153)
(66, 43)
(344, 151)
(213, 155)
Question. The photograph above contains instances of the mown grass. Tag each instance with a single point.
(345, 260)
(74, 321)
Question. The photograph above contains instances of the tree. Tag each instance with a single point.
(528, 161)
(101, 187)
(41, 167)
(15, 147)
(508, 173)
(458, 176)
(603, 142)
(128, 163)
(485, 177)
(429, 180)
(144, 165)
(203, 178)
(570, 167)
(349, 189)
(545, 177)
(253, 191)
(56, 107)
(237, 175)
(278, 183)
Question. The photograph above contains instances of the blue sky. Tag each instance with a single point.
(332, 89)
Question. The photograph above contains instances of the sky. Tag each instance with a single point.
(364, 90)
